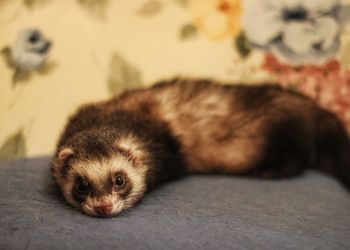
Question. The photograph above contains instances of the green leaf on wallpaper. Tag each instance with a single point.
(6, 55)
(13, 147)
(47, 68)
(96, 8)
(20, 76)
(188, 31)
(30, 4)
(182, 3)
(242, 45)
(122, 75)
(150, 8)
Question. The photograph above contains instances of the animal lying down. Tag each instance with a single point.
(112, 152)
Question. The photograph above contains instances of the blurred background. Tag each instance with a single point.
(59, 54)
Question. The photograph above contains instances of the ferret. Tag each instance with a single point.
(113, 152)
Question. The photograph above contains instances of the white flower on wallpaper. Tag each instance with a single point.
(296, 31)
(30, 50)
(29, 53)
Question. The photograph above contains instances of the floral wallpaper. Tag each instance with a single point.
(58, 54)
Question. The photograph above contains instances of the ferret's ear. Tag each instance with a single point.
(59, 164)
(64, 154)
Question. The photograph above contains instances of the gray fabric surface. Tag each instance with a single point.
(198, 212)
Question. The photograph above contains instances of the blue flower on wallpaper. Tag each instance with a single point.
(296, 31)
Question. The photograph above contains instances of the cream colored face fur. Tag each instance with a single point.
(99, 174)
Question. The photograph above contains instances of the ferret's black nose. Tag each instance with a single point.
(103, 210)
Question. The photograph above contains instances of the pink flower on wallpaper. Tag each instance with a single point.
(328, 84)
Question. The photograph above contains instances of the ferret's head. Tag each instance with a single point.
(101, 172)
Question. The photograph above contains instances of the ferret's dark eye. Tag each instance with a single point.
(81, 189)
(82, 186)
(119, 181)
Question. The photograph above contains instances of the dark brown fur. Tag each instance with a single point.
(101, 129)
(198, 126)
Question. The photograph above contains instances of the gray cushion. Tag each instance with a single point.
(209, 212)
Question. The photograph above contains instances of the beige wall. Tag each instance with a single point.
(85, 40)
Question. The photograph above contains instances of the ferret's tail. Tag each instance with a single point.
(333, 147)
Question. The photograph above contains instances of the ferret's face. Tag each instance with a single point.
(102, 178)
